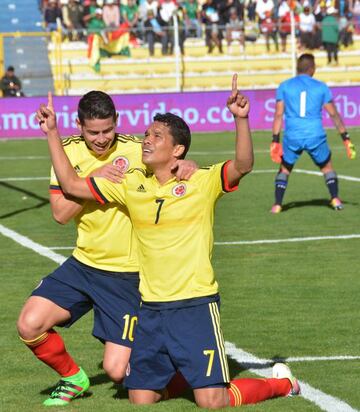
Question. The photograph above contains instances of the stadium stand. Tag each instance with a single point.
(37, 62)
(139, 73)
(28, 54)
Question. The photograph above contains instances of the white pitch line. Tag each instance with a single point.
(23, 157)
(28, 243)
(291, 239)
(322, 400)
(321, 358)
(343, 177)
(22, 179)
(195, 153)
(61, 247)
(260, 171)
(229, 152)
(326, 402)
(259, 242)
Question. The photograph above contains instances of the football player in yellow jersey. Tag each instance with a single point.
(102, 273)
(179, 321)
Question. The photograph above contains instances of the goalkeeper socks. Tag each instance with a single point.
(250, 390)
(50, 349)
(332, 183)
(280, 187)
(177, 385)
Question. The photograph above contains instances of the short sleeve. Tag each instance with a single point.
(105, 191)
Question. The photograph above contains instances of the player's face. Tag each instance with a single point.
(158, 147)
(99, 134)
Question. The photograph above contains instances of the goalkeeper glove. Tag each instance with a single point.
(276, 149)
(350, 148)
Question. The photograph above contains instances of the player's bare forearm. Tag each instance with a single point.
(335, 117)
(70, 183)
(64, 209)
(239, 106)
(339, 124)
(244, 153)
(278, 118)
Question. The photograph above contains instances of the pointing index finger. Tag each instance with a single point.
(50, 104)
(234, 83)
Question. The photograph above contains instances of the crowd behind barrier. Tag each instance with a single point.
(319, 24)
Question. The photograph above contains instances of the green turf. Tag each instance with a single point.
(291, 299)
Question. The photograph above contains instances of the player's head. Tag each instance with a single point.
(306, 64)
(168, 138)
(97, 119)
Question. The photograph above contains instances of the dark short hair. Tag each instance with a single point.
(10, 69)
(305, 62)
(96, 105)
(179, 130)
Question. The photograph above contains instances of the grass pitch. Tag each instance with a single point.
(289, 282)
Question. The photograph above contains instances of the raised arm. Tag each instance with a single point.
(239, 106)
(70, 183)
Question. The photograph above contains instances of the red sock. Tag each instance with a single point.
(50, 349)
(252, 390)
(176, 386)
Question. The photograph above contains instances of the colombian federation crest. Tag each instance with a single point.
(121, 162)
(179, 190)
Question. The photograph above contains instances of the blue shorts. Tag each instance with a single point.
(114, 296)
(184, 336)
(318, 149)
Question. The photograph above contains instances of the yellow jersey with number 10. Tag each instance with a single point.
(105, 238)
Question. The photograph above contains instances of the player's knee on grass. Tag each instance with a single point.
(116, 360)
(116, 372)
(144, 397)
(211, 398)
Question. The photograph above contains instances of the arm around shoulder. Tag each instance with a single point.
(64, 209)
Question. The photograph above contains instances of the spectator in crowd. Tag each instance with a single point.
(10, 84)
(96, 24)
(265, 11)
(52, 16)
(263, 8)
(90, 12)
(147, 5)
(167, 10)
(250, 9)
(342, 6)
(111, 14)
(225, 7)
(346, 28)
(130, 14)
(144, 8)
(211, 19)
(284, 16)
(73, 15)
(330, 35)
(235, 30)
(153, 32)
(355, 10)
(319, 13)
(192, 18)
(268, 28)
(307, 27)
